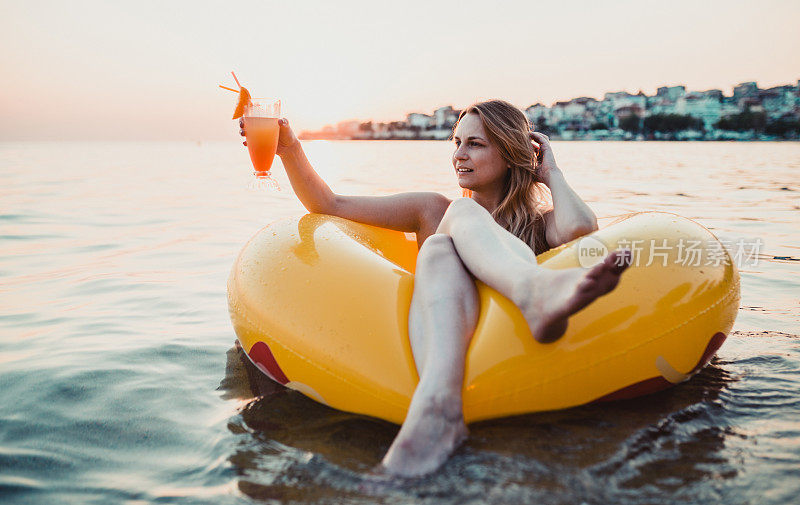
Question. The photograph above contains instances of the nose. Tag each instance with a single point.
(460, 153)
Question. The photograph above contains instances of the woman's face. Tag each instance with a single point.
(477, 161)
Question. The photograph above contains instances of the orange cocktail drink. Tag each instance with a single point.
(262, 142)
(261, 128)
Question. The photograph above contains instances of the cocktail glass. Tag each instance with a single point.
(261, 129)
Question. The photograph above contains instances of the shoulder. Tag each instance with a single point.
(437, 202)
(432, 209)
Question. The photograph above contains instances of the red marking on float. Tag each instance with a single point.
(711, 349)
(263, 358)
(642, 388)
(656, 384)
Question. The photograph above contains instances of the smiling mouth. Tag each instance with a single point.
(463, 170)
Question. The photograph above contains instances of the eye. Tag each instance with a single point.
(458, 143)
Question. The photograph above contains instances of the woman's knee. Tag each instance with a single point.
(436, 248)
(439, 259)
(441, 273)
(461, 209)
(465, 205)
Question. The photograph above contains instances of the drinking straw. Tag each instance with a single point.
(229, 89)
(235, 79)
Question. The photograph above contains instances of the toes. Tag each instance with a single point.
(605, 276)
(618, 261)
(607, 267)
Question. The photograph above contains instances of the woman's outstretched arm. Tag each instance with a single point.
(571, 217)
(411, 212)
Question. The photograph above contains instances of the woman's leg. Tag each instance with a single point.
(444, 312)
(501, 260)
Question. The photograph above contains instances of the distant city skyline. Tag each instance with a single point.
(667, 90)
(100, 70)
(749, 112)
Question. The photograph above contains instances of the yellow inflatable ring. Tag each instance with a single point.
(320, 304)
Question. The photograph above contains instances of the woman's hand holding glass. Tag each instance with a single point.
(286, 137)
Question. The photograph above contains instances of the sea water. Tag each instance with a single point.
(119, 382)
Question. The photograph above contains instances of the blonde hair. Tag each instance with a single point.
(521, 210)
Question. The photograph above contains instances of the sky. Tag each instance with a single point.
(148, 70)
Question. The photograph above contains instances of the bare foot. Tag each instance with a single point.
(433, 429)
(548, 297)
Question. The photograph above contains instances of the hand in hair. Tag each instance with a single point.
(544, 155)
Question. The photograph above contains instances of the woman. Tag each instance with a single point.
(493, 235)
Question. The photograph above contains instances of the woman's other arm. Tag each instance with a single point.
(571, 217)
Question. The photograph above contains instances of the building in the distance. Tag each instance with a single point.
(671, 93)
(538, 114)
(745, 95)
(417, 120)
(444, 118)
(700, 105)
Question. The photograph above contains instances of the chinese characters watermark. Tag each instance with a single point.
(684, 252)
